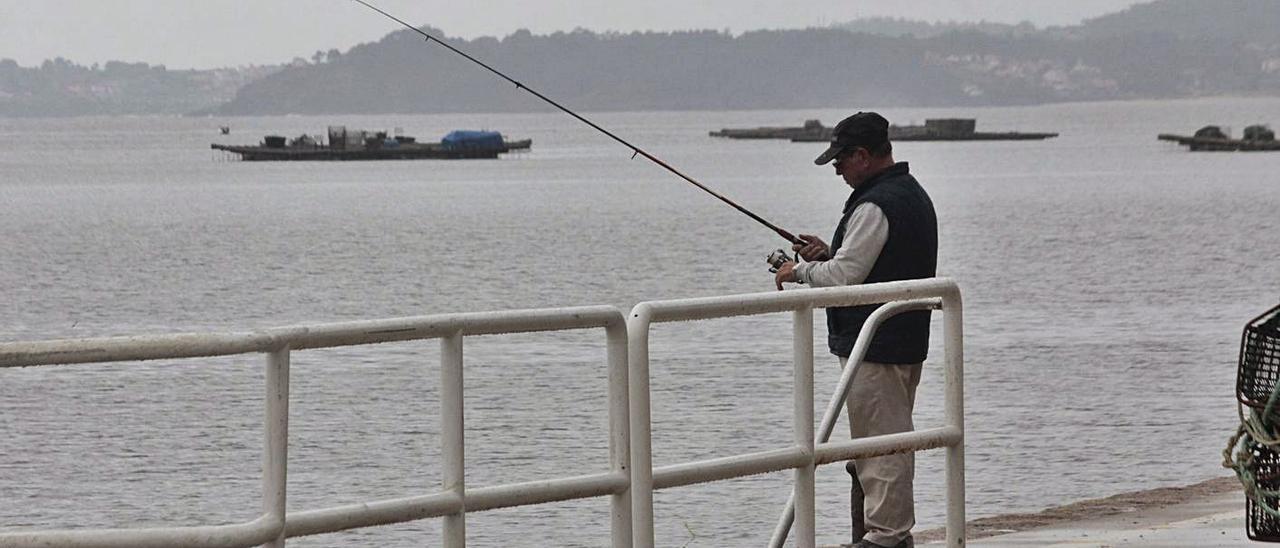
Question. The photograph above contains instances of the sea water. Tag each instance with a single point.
(1105, 275)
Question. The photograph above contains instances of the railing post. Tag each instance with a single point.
(953, 335)
(276, 443)
(803, 490)
(452, 442)
(641, 442)
(619, 434)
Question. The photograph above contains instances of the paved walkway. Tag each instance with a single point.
(1208, 514)
(1214, 521)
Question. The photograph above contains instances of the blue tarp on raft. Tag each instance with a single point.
(471, 140)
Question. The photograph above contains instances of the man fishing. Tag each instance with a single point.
(888, 232)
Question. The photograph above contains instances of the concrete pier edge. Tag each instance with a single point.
(1148, 508)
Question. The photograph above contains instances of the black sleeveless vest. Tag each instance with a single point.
(911, 252)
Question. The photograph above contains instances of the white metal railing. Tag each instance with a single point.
(804, 455)
(631, 478)
(836, 403)
(452, 503)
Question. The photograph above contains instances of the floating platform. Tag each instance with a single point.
(417, 151)
(811, 128)
(358, 145)
(1257, 138)
(938, 129)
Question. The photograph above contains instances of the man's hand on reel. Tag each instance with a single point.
(786, 273)
(813, 249)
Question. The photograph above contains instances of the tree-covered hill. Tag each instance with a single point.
(1166, 48)
(59, 87)
(1159, 49)
(1247, 21)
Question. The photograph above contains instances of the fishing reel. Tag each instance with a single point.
(777, 258)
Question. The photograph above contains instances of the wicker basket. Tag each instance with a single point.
(1260, 361)
(1257, 377)
(1260, 524)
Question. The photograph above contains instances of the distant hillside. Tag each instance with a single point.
(1248, 21)
(1160, 49)
(59, 87)
(1255, 21)
(1153, 50)
(684, 70)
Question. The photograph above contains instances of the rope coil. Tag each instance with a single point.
(1256, 432)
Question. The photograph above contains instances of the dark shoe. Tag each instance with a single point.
(906, 543)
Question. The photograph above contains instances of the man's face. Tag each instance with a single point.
(852, 165)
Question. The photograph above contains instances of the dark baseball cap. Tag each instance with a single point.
(864, 129)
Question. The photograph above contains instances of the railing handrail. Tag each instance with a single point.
(751, 304)
(302, 337)
(273, 525)
(631, 477)
(806, 454)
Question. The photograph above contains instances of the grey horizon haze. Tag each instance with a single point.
(224, 33)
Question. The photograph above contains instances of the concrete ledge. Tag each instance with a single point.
(1206, 514)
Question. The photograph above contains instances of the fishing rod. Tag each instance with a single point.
(635, 149)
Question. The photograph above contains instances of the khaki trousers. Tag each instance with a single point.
(880, 401)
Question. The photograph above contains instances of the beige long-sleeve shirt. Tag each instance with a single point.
(865, 234)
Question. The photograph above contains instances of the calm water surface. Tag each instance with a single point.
(1106, 277)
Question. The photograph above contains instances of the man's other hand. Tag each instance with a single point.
(813, 249)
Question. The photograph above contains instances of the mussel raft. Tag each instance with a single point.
(346, 145)
(1257, 138)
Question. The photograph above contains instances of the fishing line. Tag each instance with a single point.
(635, 149)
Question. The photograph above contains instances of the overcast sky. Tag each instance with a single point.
(217, 33)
